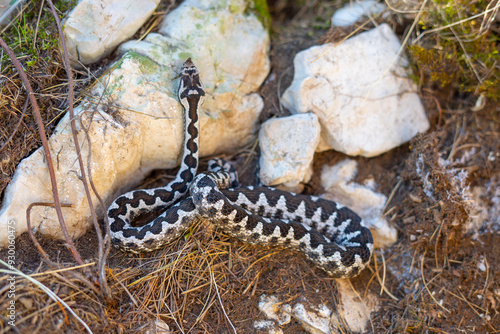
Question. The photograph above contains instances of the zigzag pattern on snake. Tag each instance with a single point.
(330, 235)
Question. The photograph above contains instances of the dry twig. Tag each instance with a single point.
(67, 66)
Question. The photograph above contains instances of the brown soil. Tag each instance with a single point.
(442, 278)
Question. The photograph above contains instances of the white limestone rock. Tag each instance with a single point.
(354, 311)
(137, 124)
(31, 182)
(287, 147)
(354, 11)
(360, 91)
(157, 326)
(314, 319)
(94, 28)
(274, 309)
(368, 204)
(238, 47)
(208, 31)
(267, 326)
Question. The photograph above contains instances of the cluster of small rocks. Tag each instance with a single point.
(318, 318)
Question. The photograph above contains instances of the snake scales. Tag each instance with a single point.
(330, 235)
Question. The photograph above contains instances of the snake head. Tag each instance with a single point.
(206, 196)
(191, 91)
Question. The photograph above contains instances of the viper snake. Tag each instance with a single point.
(330, 235)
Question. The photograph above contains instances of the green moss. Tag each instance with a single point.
(150, 72)
(185, 55)
(323, 22)
(30, 40)
(234, 8)
(146, 65)
(464, 54)
(434, 63)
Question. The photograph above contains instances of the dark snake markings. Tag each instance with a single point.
(330, 235)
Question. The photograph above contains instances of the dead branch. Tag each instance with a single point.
(67, 66)
(32, 235)
(45, 144)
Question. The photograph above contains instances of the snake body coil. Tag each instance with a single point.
(332, 236)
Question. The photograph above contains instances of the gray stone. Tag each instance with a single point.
(94, 28)
(287, 147)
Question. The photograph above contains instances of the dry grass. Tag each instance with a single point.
(205, 282)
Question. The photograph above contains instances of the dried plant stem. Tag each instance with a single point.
(212, 278)
(426, 287)
(32, 235)
(497, 6)
(102, 258)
